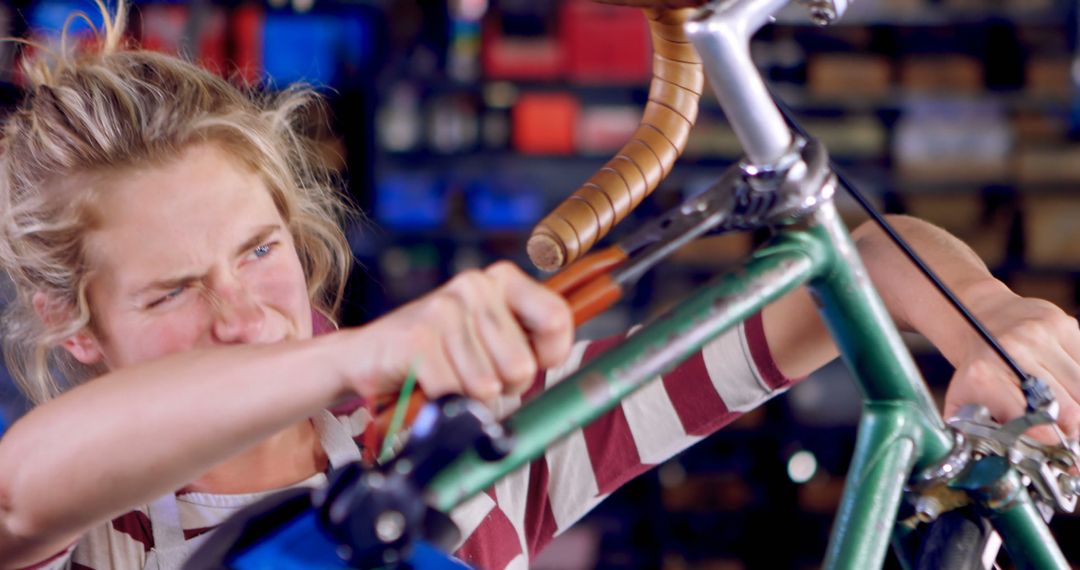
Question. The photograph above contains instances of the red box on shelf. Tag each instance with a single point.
(544, 123)
(247, 30)
(505, 55)
(606, 128)
(604, 44)
(163, 27)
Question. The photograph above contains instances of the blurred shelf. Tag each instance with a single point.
(900, 99)
(880, 14)
(797, 96)
(556, 177)
(562, 174)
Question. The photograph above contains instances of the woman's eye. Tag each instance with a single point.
(262, 250)
(165, 298)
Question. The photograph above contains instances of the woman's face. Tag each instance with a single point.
(193, 254)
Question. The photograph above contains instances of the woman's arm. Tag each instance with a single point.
(130, 436)
(1044, 340)
(134, 434)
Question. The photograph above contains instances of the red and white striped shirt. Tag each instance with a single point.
(509, 523)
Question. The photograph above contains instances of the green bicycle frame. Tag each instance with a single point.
(900, 429)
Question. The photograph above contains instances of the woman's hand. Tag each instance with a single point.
(485, 333)
(1039, 336)
(1042, 338)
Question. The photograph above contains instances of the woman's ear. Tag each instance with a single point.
(82, 345)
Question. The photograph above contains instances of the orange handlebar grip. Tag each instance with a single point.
(585, 269)
(596, 297)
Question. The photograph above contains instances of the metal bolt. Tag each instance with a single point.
(822, 12)
(403, 466)
(390, 526)
(1070, 484)
(927, 508)
(375, 480)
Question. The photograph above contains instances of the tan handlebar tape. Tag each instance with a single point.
(620, 185)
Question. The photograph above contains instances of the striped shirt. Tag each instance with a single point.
(510, 522)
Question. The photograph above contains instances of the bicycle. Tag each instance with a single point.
(906, 455)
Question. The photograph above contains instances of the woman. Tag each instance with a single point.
(171, 239)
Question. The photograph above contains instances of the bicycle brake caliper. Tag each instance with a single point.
(1046, 468)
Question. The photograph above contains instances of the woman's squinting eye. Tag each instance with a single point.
(165, 298)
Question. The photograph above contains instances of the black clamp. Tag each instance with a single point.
(376, 515)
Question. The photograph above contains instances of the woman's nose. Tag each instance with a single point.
(238, 318)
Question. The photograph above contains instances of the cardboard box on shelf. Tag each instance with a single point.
(1059, 289)
(901, 6)
(942, 73)
(954, 171)
(850, 137)
(981, 7)
(957, 212)
(1051, 164)
(1052, 236)
(1038, 127)
(964, 215)
(1049, 76)
(713, 139)
(848, 75)
(1026, 5)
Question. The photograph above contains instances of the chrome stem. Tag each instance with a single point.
(721, 35)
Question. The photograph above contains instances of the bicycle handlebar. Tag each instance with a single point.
(624, 181)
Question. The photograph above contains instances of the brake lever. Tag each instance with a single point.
(1041, 402)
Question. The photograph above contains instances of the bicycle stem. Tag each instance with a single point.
(721, 35)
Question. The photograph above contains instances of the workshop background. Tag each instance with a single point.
(459, 123)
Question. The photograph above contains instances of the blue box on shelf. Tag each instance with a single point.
(318, 48)
(502, 206)
(48, 17)
(410, 201)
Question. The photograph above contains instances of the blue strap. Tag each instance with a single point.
(427, 557)
(301, 545)
(297, 545)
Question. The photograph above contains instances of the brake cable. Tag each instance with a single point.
(1036, 392)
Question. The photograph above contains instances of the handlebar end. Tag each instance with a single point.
(546, 251)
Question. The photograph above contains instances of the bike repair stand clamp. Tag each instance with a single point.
(377, 515)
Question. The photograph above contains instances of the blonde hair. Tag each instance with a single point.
(107, 109)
